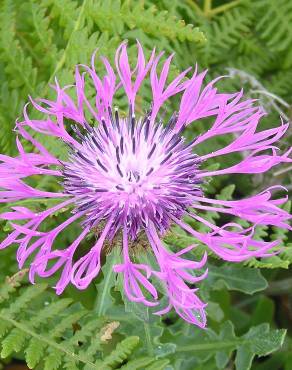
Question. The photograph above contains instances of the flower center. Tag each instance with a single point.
(137, 170)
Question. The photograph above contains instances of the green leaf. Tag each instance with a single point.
(222, 357)
(12, 343)
(258, 341)
(57, 333)
(135, 364)
(53, 360)
(121, 352)
(23, 300)
(34, 352)
(263, 311)
(243, 279)
(158, 365)
(226, 193)
(104, 298)
(214, 311)
(11, 284)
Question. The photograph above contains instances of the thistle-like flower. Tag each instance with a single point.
(130, 175)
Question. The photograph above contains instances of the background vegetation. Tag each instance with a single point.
(249, 304)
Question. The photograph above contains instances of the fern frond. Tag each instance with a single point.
(10, 106)
(18, 67)
(17, 75)
(54, 333)
(253, 64)
(34, 352)
(45, 47)
(12, 343)
(224, 32)
(160, 24)
(114, 16)
(275, 23)
(280, 83)
(121, 352)
(82, 44)
(54, 360)
(66, 11)
(24, 299)
(11, 284)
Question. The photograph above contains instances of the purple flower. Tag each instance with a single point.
(135, 175)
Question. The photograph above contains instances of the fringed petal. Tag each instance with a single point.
(134, 279)
(253, 163)
(126, 74)
(88, 266)
(161, 93)
(259, 209)
(172, 272)
(233, 246)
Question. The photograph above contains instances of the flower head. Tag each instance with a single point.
(136, 174)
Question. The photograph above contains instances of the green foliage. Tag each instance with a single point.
(115, 16)
(54, 36)
(275, 24)
(259, 340)
(104, 298)
(57, 332)
(225, 33)
(243, 279)
(247, 302)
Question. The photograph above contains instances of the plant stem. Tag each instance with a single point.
(148, 339)
(223, 8)
(280, 287)
(207, 7)
(196, 7)
(284, 170)
(208, 11)
(226, 344)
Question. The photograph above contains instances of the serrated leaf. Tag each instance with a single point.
(11, 283)
(71, 365)
(34, 352)
(121, 352)
(53, 360)
(23, 300)
(4, 327)
(226, 193)
(243, 279)
(50, 311)
(259, 340)
(12, 343)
